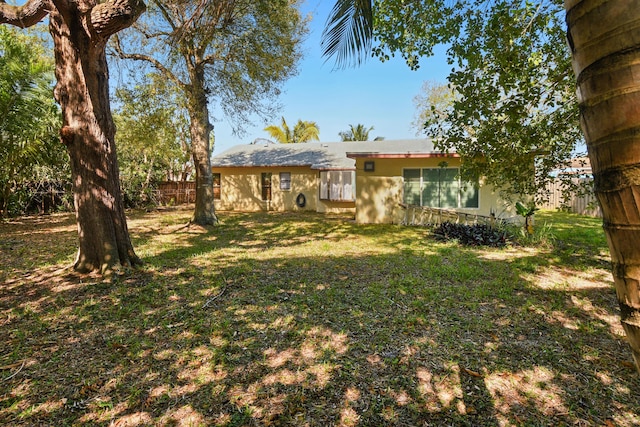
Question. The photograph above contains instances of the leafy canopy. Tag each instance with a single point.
(515, 106)
(512, 92)
(153, 136)
(236, 55)
(433, 104)
(29, 116)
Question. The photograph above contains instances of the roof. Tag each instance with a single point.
(582, 163)
(321, 155)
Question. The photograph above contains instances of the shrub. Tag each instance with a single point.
(541, 237)
(471, 235)
(30, 197)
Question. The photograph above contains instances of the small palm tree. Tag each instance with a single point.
(303, 131)
(29, 117)
(356, 133)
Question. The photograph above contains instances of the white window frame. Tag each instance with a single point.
(285, 183)
(338, 185)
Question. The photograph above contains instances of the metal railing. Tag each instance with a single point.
(423, 215)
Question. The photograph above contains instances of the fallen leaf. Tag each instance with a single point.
(11, 366)
(472, 373)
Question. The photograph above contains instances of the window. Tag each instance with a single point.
(438, 188)
(266, 186)
(412, 187)
(285, 181)
(337, 185)
(369, 166)
(216, 186)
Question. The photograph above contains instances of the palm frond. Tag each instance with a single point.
(348, 32)
(305, 131)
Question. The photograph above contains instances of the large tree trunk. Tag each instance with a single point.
(80, 30)
(88, 132)
(605, 39)
(200, 129)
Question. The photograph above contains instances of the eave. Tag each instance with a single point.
(401, 155)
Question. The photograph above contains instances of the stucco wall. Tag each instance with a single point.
(240, 190)
(328, 206)
(380, 192)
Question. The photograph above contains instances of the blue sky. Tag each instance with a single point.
(375, 94)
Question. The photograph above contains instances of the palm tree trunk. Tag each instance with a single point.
(605, 40)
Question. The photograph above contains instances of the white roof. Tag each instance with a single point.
(317, 155)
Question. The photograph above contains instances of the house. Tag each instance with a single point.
(371, 179)
(285, 177)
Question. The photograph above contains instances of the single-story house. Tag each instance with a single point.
(371, 179)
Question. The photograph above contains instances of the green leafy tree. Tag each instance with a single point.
(433, 104)
(303, 131)
(515, 104)
(512, 99)
(152, 137)
(356, 133)
(232, 54)
(605, 54)
(29, 117)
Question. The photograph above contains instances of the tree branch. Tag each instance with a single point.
(140, 57)
(26, 15)
(209, 59)
(167, 16)
(114, 15)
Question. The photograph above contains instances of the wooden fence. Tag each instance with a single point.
(583, 204)
(176, 192)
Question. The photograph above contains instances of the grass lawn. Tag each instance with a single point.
(307, 320)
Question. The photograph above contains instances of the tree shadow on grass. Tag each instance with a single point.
(28, 242)
(394, 334)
